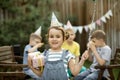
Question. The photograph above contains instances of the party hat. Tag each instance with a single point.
(69, 25)
(38, 31)
(54, 20)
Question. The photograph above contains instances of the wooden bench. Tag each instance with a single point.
(9, 68)
(115, 64)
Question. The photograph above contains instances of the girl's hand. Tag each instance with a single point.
(85, 55)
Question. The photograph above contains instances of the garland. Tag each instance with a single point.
(90, 27)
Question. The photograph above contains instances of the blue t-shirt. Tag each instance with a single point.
(25, 55)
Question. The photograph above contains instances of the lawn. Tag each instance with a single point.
(115, 71)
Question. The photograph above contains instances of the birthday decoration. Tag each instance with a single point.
(94, 24)
(38, 31)
(88, 27)
(54, 21)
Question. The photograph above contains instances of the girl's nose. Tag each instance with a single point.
(54, 38)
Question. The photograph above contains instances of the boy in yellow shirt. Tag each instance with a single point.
(72, 46)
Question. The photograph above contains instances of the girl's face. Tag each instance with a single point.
(55, 39)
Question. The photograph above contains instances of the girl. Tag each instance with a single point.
(58, 60)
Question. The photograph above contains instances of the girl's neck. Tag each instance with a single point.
(55, 50)
(70, 42)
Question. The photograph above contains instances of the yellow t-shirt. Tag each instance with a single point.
(74, 48)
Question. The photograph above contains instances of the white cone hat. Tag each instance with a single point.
(38, 31)
(69, 25)
(54, 21)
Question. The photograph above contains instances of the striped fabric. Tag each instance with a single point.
(54, 56)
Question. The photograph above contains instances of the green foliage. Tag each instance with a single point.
(26, 18)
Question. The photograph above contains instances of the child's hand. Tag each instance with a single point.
(85, 55)
(92, 46)
(40, 44)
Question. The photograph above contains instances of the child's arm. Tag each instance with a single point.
(77, 59)
(35, 47)
(99, 59)
(89, 53)
(75, 67)
(95, 53)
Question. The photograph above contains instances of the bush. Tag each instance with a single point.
(24, 19)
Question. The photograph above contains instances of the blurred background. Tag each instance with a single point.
(19, 18)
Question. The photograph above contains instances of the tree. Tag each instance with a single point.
(23, 17)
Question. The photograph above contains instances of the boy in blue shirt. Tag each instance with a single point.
(34, 44)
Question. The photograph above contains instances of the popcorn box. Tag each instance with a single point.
(31, 55)
(37, 59)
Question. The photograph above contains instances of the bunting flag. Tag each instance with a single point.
(86, 28)
(110, 12)
(107, 15)
(38, 31)
(80, 29)
(75, 29)
(103, 19)
(98, 22)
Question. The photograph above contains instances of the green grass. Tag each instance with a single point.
(87, 64)
(115, 71)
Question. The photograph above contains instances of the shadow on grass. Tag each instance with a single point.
(115, 71)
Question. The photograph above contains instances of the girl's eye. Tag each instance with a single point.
(54, 36)
(93, 41)
(57, 36)
(51, 36)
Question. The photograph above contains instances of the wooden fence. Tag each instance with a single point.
(80, 12)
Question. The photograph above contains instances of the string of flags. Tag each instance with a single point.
(91, 26)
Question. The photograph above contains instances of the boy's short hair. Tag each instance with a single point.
(98, 34)
(34, 36)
